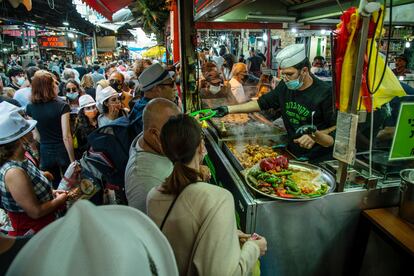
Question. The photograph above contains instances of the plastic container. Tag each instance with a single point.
(407, 195)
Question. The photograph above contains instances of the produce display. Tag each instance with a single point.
(249, 154)
(274, 176)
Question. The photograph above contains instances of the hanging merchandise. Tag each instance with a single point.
(386, 87)
(252, 39)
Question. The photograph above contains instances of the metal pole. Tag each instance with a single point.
(365, 9)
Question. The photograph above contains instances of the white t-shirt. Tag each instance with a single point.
(144, 171)
(238, 91)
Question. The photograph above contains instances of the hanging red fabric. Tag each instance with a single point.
(107, 7)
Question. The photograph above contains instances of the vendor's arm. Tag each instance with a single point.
(248, 107)
(19, 186)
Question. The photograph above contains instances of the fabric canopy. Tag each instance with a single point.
(107, 7)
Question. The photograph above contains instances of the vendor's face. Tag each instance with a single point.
(399, 62)
(290, 73)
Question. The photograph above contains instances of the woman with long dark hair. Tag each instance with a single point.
(53, 123)
(87, 122)
(196, 217)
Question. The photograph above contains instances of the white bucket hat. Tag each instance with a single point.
(12, 125)
(85, 101)
(103, 95)
(91, 240)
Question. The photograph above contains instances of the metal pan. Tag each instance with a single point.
(324, 174)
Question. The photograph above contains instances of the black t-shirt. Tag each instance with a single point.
(12, 101)
(255, 63)
(91, 92)
(48, 116)
(297, 107)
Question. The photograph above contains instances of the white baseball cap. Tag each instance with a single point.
(90, 240)
(291, 55)
(85, 101)
(12, 125)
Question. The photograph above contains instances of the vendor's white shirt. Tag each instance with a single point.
(237, 90)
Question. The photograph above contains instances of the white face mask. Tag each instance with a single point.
(214, 89)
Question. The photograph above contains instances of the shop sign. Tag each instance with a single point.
(403, 143)
(53, 42)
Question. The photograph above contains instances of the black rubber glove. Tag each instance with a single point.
(306, 129)
(221, 111)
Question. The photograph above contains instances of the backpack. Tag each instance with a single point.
(109, 154)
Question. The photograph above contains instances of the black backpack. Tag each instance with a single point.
(109, 154)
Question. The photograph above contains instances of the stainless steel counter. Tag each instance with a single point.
(304, 238)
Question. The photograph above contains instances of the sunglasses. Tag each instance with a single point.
(71, 89)
(170, 84)
(114, 81)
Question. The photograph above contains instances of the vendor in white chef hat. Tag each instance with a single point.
(305, 103)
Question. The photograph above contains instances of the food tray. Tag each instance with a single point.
(243, 142)
(324, 175)
(251, 125)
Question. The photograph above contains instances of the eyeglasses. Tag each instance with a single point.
(71, 89)
(170, 84)
(288, 76)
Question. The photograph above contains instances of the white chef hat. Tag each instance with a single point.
(291, 55)
(91, 240)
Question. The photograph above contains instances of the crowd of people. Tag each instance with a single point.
(46, 123)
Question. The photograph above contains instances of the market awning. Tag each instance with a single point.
(107, 7)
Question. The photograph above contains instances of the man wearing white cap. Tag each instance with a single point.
(305, 103)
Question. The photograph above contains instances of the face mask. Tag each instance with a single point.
(294, 84)
(20, 81)
(245, 78)
(91, 114)
(72, 96)
(117, 86)
(214, 89)
(316, 70)
(207, 57)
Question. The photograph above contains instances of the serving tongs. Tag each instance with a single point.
(203, 115)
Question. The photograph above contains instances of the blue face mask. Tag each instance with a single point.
(20, 81)
(294, 84)
(72, 96)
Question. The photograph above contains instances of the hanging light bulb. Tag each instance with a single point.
(222, 37)
(294, 30)
(265, 37)
(407, 44)
(323, 31)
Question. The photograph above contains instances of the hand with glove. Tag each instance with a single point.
(304, 136)
(221, 111)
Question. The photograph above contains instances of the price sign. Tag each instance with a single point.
(53, 42)
(403, 142)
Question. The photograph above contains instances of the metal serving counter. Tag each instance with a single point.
(304, 238)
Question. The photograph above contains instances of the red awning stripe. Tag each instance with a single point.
(107, 7)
